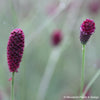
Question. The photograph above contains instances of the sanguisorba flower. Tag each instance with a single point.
(86, 30)
(56, 37)
(15, 49)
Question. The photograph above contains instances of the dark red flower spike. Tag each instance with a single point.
(86, 30)
(15, 49)
(56, 37)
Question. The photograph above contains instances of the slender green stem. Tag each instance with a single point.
(83, 68)
(91, 82)
(12, 90)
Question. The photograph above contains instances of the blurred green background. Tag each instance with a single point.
(38, 19)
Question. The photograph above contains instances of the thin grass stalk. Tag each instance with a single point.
(91, 82)
(12, 90)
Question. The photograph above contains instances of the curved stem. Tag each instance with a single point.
(91, 82)
(12, 90)
(50, 68)
(54, 56)
(83, 68)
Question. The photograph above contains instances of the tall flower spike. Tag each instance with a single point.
(86, 30)
(56, 37)
(15, 49)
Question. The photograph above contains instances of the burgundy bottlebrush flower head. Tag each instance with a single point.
(15, 49)
(86, 30)
(56, 37)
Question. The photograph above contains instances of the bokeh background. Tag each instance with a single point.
(49, 72)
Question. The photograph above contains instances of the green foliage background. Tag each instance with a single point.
(38, 25)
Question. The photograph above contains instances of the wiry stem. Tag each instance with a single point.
(12, 90)
(91, 82)
(83, 68)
